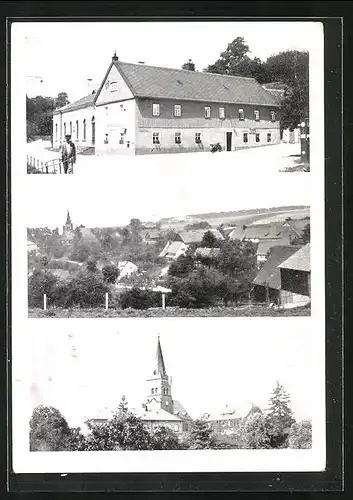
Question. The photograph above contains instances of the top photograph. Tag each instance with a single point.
(139, 89)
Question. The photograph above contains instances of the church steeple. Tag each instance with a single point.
(68, 220)
(159, 386)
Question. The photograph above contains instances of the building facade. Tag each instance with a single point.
(142, 109)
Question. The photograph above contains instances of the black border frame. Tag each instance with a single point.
(332, 478)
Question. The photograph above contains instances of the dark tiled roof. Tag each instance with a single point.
(197, 235)
(169, 83)
(180, 411)
(84, 102)
(269, 273)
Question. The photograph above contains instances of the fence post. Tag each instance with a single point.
(45, 302)
(163, 300)
(106, 301)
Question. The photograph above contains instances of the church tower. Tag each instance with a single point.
(159, 386)
(68, 227)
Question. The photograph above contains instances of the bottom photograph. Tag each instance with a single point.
(172, 388)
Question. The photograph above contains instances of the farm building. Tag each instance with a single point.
(295, 277)
(141, 109)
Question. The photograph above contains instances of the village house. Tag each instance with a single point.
(227, 420)
(173, 250)
(195, 236)
(150, 235)
(295, 277)
(267, 283)
(159, 408)
(126, 269)
(141, 109)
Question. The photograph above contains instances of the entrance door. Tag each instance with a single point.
(229, 141)
(93, 131)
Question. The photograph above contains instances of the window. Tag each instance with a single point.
(155, 109)
(177, 138)
(77, 130)
(177, 109)
(113, 87)
(56, 131)
(176, 427)
(152, 391)
(269, 137)
(257, 137)
(84, 130)
(106, 139)
(256, 115)
(245, 137)
(156, 391)
(272, 116)
(221, 113)
(71, 128)
(64, 128)
(197, 137)
(241, 114)
(207, 112)
(155, 140)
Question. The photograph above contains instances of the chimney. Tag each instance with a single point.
(115, 58)
(189, 65)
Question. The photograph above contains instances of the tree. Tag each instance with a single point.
(49, 430)
(209, 240)
(164, 439)
(61, 100)
(123, 406)
(230, 58)
(84, 289)
(280, 417)
(198, 225)
(300, 435)
(306, 234)
(124, 431)
(257, 431)
(182, 266)
(40, 283)
(92, 265)
(110, 273)
(201, 436)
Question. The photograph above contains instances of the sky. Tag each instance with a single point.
(64, 55)
(81, 371)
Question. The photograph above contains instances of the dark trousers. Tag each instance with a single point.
(66, 164)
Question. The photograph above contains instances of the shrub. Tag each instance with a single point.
(40, 283)
(137, 299)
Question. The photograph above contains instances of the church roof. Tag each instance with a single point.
(160, 366)
(169, 83)
(68, 220)
(156, 415)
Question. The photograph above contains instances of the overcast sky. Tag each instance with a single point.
(83, 370)
(64, 55)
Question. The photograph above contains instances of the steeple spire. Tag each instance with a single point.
(68, 220)
(160, 366)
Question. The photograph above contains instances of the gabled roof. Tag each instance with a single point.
(269, 274)
(299, 261)
(171, 248)
(169, 83)
(264, 246)
(197, 235)
(84, 102)
(155, 415)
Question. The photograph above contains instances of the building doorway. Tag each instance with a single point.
(229, 141)
(93, 123)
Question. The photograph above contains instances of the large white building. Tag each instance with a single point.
(141, 109)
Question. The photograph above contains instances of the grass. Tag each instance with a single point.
(97, 312)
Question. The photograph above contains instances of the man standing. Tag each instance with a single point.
(68, 154)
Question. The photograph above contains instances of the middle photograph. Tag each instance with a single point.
(154, 245)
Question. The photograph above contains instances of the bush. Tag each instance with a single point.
(300, 435)
(40, 283)
(138, 299)
(85, 289)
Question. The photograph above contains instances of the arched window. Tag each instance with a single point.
(76, 129)
(166, 391)
(71, 128)
(156, 391)
(56, 131)
(152, 391)
(84, 130)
